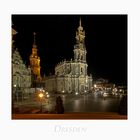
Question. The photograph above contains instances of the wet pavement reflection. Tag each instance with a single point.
(90, 103)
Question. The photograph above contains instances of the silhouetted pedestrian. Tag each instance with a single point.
(59, 108)
(123, 106)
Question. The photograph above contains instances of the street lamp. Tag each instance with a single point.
(41, 97)
(47, 97)
(16, 94)
(13, 97)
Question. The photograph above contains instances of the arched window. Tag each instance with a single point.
(81, 70)
(78, 56)
(82, 57)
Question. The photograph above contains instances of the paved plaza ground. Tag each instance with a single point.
(74, 103)
(89, 106)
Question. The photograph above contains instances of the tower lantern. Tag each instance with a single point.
(80, 33)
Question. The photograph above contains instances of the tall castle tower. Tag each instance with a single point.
(80, 51)
(35, 61)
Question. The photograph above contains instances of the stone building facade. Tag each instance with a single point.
(71, 76)
(21, 74)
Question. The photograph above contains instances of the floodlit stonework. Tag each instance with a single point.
(37, 79)
(21, 74)
(35, 61)
(71, 76)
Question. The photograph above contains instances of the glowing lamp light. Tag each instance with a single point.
(47, 93)
(48, 96)
(76, 93)
(115, 90)
(85, 91)
(15, 85)
(105, 94)
(63, 91)
(95, 85)
(41, 95)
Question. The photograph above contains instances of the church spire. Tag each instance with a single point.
(35, 59)
(80, 23)
(80, 33)
(79, 48)
(34, 49)
(34, 43)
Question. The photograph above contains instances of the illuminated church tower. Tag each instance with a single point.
(35, 62)
(79, 48)
(80, 51)
(71, 76)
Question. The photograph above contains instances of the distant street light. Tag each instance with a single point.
(13, 97)
(41, 97)
(47, 97)
(15, 85)
(16, 93)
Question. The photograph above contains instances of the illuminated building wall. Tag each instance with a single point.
(71, 76)
(21, 75)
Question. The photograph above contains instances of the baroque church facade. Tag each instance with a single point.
(71, 76)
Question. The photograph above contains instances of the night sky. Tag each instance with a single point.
(106, 42)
